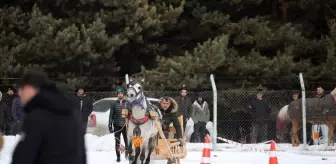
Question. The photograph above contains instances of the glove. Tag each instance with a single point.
(181, 142)
(111, 128)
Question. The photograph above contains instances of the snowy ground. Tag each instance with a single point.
(101, 151)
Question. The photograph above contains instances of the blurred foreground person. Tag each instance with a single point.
(52, 130)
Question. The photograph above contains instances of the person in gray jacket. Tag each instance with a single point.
(117, 123)
(200, 115)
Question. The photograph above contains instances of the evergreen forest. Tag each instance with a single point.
(245, 43)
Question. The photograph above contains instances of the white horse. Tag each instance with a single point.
(142, 133)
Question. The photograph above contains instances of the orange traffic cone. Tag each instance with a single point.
(206, 151)
(273, 158)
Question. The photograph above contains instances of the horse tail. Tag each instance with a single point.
(282, 118)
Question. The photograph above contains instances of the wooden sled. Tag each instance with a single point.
(168, 148)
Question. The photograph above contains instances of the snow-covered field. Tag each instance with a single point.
(100, 150)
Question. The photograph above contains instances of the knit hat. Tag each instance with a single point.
(296, 92)
(260, 90)
(120, 90)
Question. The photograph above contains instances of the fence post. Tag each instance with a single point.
(214, 128)
(304, 125)
(126, 79)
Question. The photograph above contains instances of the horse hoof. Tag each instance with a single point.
(131, 157)
(171, 161)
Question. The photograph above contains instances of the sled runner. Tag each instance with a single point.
(169, 148)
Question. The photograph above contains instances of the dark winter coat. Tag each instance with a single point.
(260, 110)
(8, 99)
(320, 95)
(185, 106)
(115, 114)
(171, 116)
(17, 110)
(85, 106)
(52, 132)
(4, 114)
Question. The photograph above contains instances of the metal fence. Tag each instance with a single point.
(235, 119)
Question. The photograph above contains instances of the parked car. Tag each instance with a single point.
(98, 120)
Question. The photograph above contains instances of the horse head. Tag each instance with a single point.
(136, 98)
(135, 90)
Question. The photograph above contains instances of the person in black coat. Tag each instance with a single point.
(8, 99)
(4, 115)
(84, 105)
(260, 110)
(52, 130)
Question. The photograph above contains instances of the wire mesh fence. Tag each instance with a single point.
(241, 117)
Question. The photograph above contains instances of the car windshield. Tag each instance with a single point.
(104, 105)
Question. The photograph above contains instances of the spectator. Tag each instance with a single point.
(317, 127)
(117, 123)
(52, 130)
(184, 103)
(8, 99)
(4, 114)
(295, 95)
(17, 114)
(260, 111)
(85, 105)
(200, 115)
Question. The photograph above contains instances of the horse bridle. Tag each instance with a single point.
(136, 101)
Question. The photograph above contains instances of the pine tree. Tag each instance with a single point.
(94, 41)
(192, 69)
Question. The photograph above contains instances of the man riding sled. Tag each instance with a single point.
(170, 114)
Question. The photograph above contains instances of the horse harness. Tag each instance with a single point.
(139, 121)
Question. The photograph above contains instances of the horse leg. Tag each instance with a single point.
(143, 153)
(151, 146)
(137, 154)
(297, 136)
(331, 129)
(297, 140)
(130, 150)
(294, 136)
(332, 133)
